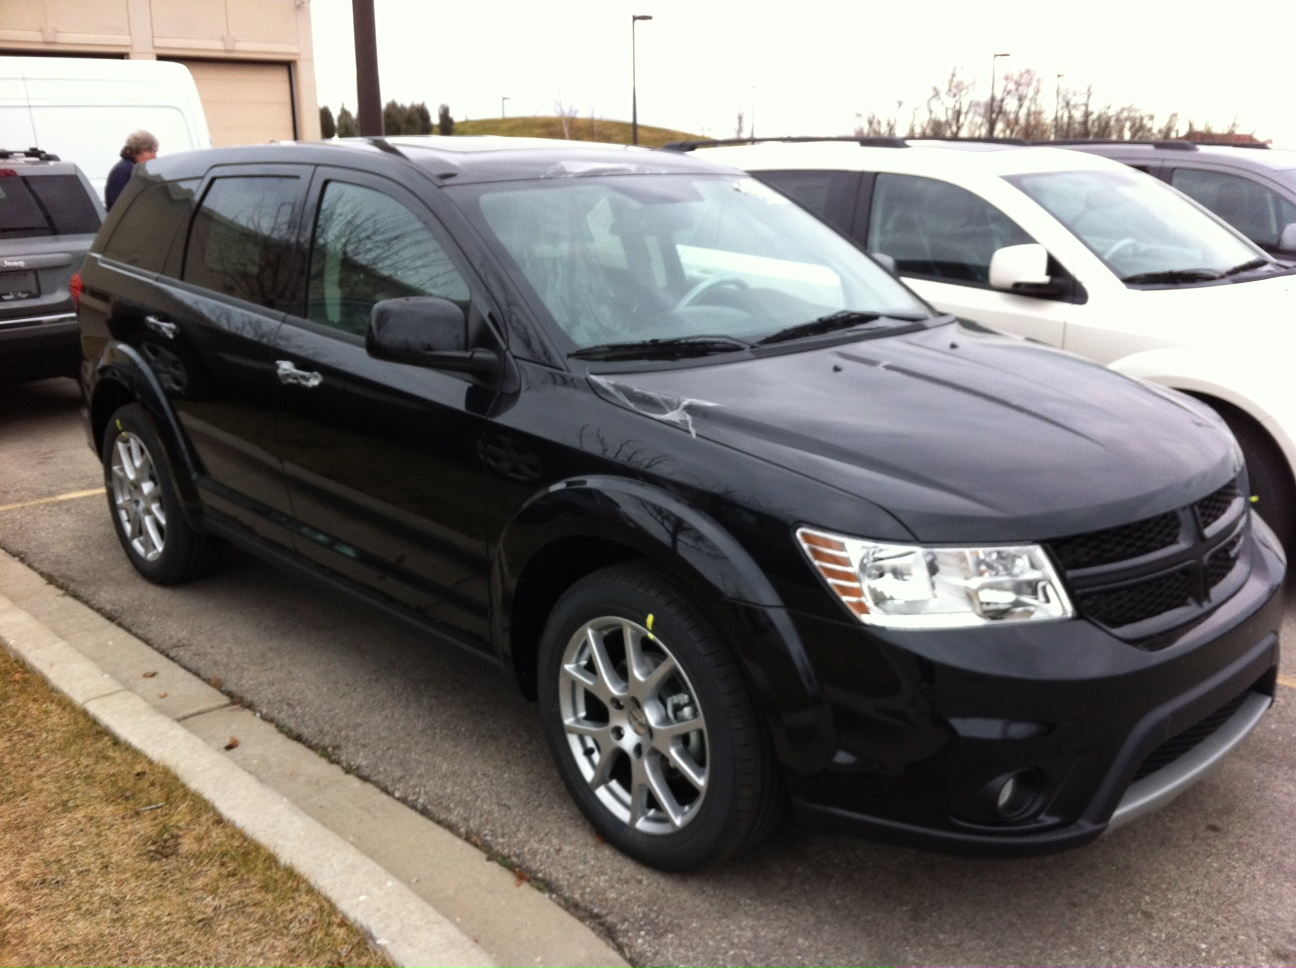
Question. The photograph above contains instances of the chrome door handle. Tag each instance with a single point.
(161, 326)
(291, 376)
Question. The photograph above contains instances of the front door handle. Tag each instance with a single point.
(291, 376)
(161, 326)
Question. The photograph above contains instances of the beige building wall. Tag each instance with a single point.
(252, 59)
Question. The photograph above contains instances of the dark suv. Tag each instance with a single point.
(1250, 186)
(48, 217)
(745, 515)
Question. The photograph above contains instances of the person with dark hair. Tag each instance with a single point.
(140, 146)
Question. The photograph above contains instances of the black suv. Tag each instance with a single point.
(745, 516)
(1250, 186)
(48, 217)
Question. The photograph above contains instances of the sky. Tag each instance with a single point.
(812, 66)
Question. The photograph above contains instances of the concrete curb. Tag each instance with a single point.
(426, 896)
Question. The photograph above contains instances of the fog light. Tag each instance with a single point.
(1013, 795)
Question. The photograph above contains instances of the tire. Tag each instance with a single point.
(1270, 476)
(146, 510)
(670, 764)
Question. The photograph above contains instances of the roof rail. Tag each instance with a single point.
(35, 153)
(867, 141)
(1176, 144)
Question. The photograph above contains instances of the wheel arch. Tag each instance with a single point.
(582, 525)
(123, 376)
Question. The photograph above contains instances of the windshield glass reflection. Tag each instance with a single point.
(659, 257)
(1139, 226)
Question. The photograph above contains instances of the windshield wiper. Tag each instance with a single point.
(845, 319)
(1256, 263)
(674, 348)
(1174, 275)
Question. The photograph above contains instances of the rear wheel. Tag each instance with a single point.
(145, 506)
(650, 722)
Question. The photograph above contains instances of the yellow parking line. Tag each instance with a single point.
(1287, 681)
(72, 496)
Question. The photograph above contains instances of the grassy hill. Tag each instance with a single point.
(581, 129)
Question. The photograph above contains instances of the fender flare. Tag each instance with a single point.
(121, 365)
(655, 524)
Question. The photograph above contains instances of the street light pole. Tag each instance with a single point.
(990, 120)
(634, 85)
(502, 100)
(1057, 105)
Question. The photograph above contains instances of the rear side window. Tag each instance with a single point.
(829, 194)
(935, 229)
(42, 205)
(1252, 209)
(241, 243)
(146, 230)
(369, 247)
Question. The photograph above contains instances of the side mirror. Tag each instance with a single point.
(1022, 269)
(1287, 241)
(425, 331)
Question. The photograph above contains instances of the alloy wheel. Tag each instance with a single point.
(137, 497)
(634, 725)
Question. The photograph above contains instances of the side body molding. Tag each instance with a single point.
(618, 518)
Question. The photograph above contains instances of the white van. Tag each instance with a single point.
(82, 108)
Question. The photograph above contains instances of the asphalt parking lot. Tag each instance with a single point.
(1209, 880)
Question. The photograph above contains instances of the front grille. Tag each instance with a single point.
(1214, 506)
(1222, 561)
(1118, 544)
(1140, 601)
(1177, 746)
(1144, 578)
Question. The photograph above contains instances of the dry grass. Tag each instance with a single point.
(107, 859)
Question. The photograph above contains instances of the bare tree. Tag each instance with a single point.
(565, 114)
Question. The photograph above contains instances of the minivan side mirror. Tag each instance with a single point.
(1287, 241)
(887, 262)
(425, 331)
(1022, 269)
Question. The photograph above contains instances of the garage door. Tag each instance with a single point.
(246, 103)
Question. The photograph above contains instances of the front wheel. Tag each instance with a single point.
(650, 722)
(1270, 476)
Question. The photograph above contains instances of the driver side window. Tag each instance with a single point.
(938, 230)
(369, 247)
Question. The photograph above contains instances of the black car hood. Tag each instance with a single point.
(962, 436)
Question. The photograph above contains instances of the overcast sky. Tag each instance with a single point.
(810, 66)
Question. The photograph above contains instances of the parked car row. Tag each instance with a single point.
(749, 518)
(1075, 251)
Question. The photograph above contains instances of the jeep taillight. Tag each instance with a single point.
(76, 287)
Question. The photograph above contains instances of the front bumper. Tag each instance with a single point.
(925, 725)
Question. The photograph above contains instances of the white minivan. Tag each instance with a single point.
(82, 108)
(1076, 251)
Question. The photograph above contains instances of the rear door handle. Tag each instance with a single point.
(289, 375)
(159, 325)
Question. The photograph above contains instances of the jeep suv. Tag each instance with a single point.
(1076, 251)
(1252, 186)
(746, 517)
(48, 217)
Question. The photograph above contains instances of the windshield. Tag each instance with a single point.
(721, 260)
(1142, 229)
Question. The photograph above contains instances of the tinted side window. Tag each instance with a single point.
(829, 194)
(241, 240)
(69, 206)
(932, 228)
(145, 231)
(21, 215)
(1251, 208)
(369, 247)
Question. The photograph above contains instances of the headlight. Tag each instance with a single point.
(915, 586)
